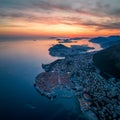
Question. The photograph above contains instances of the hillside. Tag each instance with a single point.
(106, 41)
(108, 61)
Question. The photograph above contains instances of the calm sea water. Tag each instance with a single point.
(20, 62)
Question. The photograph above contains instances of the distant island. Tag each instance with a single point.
(69, 40)
(80, 73)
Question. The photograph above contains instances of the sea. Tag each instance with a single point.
(20, 63)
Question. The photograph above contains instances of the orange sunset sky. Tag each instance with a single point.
(66, 18)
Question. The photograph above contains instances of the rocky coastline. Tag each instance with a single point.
(99, 98)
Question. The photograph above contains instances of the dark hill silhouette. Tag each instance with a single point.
(108, 61)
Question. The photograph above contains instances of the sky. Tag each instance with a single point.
(67, 18)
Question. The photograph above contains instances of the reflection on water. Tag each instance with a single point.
(20, 62)
(84, 42)
(27, 49)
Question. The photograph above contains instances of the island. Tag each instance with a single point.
(61, 50)
(70, 40)
(98, 96)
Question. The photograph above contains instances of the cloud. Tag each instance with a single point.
(109, 8)
(109, 26)
(115, 12)
(69, 12)
(47, 5)
(75, 21)
(12, 14)
(102, 26)
(70, 8)
(11, 25)
(51, 6)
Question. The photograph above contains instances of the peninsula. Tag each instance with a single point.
(99, 98)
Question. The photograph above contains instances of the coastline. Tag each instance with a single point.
(95, 94)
